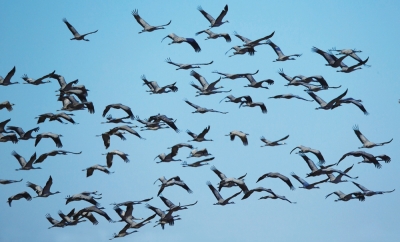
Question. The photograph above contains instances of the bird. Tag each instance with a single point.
(253, 43)
(176, 180)
(177, 40)
(315, 88)
(83, 196)
(316, 78)
(119, 106)
(215, 22)
(169, 157)
(7, 105)
(199, 137)
(56, 117)
(307, 185)
(198, 153)
(37, 81)
(218, 196)
(95, 210)
(337, 179)
(234, 76)
(55, 223)
(292, 81)
(348, 69)
(205, 86)
(75, 33)
(366, 143)
(347, 197)
(110, 156)
(88, 215)
(278, 51)
(223, 178)
(349, 52)
(2, 126)
(7, 80)
(353, 101)
(201, 109)
(290, 96)
(110, 120)
(276, 196)
(304, 149)
(243, 187)
(43, 156)
(4, 182)
(126, 216)
(172, 206)
(146, 27)
(369, 193)
(126, 128)
(123, 232)
(277, 175)
(240, 134)
(212, 35)
(368, 158)
(169, 121)
(42, 192)
(249, 103)
(23, 135)
(322, 103)
(186, 66)
(68, 219)
(242, 50)
(232, 99)
(9, 137)
(332, 60)
(25, 165)
(64, 86)
(165, 218)
(273, 143)
(18, 196)
(197, 163)
(54, 137)
(156, 89)
(90, 170)
(106, 137)
(255, 84)
(71, 104)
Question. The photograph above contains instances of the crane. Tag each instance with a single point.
(146, 27)
(240, 134)
(177, 40)
(75, 33)
(42, 192)
(215, 22)
(366, 143)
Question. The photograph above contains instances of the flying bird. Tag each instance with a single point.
(75, 33)
(253, 43)
(25, 165)
(7, 80)
(54, 137)
(119, 106)
(366, 143)
(215, 22)
(240, 134)
(156, 89)
(42, 192)
(176, 180)
(278, 51)
(186, 66)
(7, 105)
(43, 156)
(277, 175)
(273, 143)
(4, 182)
(56, 117)
(290, 96)
(90, 170)
(322, 103)
(19, 196)
(212, 35)
(332, 60)
(307, 185)
(249, 103)
(353, 101)
(110, 155)
(368, 158)
(197, 163)
(304, 149)
(177, 40)
(37, 81)
(201, 109)
(220, 200)
(146, 27)
(199, 137)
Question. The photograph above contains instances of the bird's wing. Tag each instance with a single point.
(360, 136)
(71, 28)
(204, 132)
(192, 104)
(205, 14)
(222, 14)
(141, 21)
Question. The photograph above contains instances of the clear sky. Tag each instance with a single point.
(36, 41)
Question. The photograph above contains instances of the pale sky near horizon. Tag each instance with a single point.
(35, 40)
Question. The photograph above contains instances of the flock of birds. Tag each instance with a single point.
(74, 97)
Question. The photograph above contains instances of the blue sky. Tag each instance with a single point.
(36, 41)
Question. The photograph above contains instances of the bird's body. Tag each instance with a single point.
(7, 80)
(37, 81)
(198, 153)
(75, 33)
(249, 103)
(156, 89)
(201, 109)
(42, 192)
(278, 51)
(19, 196)
(366, 143)
(215, 22)
(4, 182)
(25, 165)
(323, 104)
(90, 170)
(7, 105)
(146, 27)
(273, 143)
(177, 40)
(54, 137)
(240, 134)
